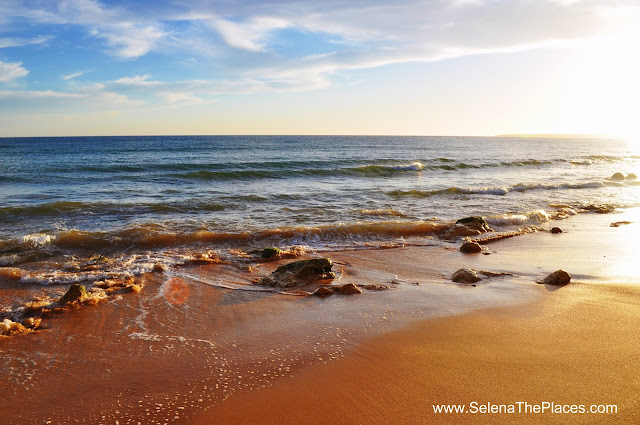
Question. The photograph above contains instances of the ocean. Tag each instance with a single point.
(143, 201)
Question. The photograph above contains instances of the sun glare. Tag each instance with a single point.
(603, 95)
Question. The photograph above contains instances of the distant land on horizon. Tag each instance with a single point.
(561, 136)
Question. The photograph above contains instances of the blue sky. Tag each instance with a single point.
(449, 67)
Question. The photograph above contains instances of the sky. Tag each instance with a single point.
(402, 67)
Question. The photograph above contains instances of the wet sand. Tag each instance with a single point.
(240, 354)
(574, 346)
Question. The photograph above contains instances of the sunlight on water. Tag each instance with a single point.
(627, 259)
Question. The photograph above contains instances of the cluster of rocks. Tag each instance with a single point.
(28, 318)
(345, 289)
(471, 276)
(313, 271)
(620, 176)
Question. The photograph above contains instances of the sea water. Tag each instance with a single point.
(149, 200)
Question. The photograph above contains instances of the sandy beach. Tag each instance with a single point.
(574, 346)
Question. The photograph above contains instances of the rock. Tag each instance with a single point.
(556, 230)
(348, 289)
(323, 291)
(599, 208)
(557, 278)
(469, 226)
(631, 176)
(471, 247)
(475, 222)
(289, 275)
(465, 276)
(75, 293)
(270, 252)
(617, 176)
(619, 223)
(373, 287)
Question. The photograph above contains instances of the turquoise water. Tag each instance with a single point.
(104, 195)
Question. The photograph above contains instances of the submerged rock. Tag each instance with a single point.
(76, 292)
(270, 252)
(619, 223)
(475, 222)
(469, 226)
(599, 208)
(617, 176)
(556, 230)
(323, 291)
(557, 278)
(348, 289)
(289, 275)
(466, 276)
(373, 287)
(471, 247)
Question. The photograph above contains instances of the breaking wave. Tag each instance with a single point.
(495, 190)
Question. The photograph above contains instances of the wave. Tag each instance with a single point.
(286, 169)
(494, 190)
(154, 237)
(106, 208)
(380, 212)
(413, 166)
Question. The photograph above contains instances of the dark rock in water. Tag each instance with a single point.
(471, 247)
(475, 222)
(556, 230)
(289, 275)
(323, 291)
(270, 252)
(631, 176)
(459, 231)
(617, 176)
(377, 287)
(465, 276)
(348, 289)
(469, 226)
(557, 278)
(75, 293)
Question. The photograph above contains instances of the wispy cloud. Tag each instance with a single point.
(74, 75)
(125, 35)
(250, 35)
(18, 42)
(10, 71)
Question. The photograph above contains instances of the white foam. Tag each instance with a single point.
(414, 166)
(38, 239)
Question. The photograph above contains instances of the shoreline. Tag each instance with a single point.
(220, 347)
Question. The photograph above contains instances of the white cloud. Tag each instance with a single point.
(17, 42)
(249, 35)
(130, 40)
(334, 36)
(124, 34)
(10, 71)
